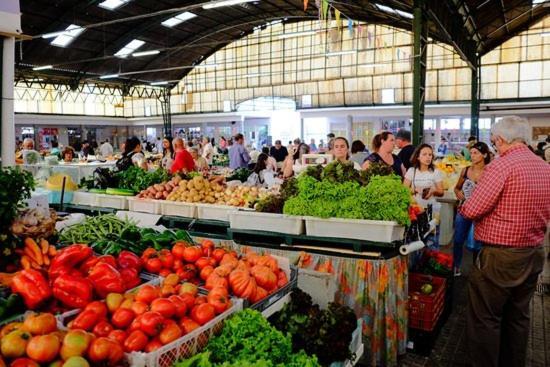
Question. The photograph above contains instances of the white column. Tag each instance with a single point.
(8, 123)
(349, 128)
(302, 131)
(437, 139)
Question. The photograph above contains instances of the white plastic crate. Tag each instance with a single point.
(84, 198)
(270, 222)
(214, 212)
(179, 209)
(144, 205)
(112, 201)
(186, 346)
(359, 229)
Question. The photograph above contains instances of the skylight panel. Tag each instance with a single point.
(70, 34)
(129, 48)
(180, 18)
(112, 4)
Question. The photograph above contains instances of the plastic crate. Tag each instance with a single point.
(184, 347)
(269, 222)
(358, 229)
(214, 212)
(425, 309)
(84, 198)
(112, 201)
(144, 205)
(180, 209)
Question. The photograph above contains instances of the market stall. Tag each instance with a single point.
(77, 171)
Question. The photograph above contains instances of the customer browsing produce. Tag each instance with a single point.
(132, 155)
(424, 180)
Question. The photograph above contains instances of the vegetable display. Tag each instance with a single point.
(36, 255)
(240, 174)
(324, 333)
(137, 179)
(247, 339)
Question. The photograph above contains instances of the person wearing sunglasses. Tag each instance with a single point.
(510, 207)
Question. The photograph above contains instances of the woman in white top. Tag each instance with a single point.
(340, 150)
(167, 153)
(422, 178)
(207, 150)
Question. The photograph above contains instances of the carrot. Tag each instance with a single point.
(52, 251)
(33, 256)
(33, 247)
(46, 260)
(44, 246)
(25, 262)
(35, 265)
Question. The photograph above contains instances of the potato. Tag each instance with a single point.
(182, 183)
(190, 185)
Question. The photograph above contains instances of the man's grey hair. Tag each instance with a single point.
(177, 141)
(512, 129)
(28, 141)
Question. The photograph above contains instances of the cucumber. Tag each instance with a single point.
(121, 192)
(97, 191)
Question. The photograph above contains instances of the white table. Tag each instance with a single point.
(76, 171)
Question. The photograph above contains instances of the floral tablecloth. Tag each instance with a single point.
(375, 289)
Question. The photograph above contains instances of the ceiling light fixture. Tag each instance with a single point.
(44, 67)
(339, 53)
(109, 76)
(159, 83)
(219, 4)
(64, 38)
(112, 4)
(180, 18)
(146, 53)
(296, 34)
(129, 48)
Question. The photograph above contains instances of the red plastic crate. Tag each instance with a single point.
(425, 309)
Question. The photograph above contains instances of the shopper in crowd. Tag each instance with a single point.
(511, 211)
(183, 161)
(167, 153)
(293, 163)
(341, 152)
(278, 151)
(382, 146)
(425, 182)
(443, 147)
(159, 144)
(359, 152)
(28, 154)
(480, 156)
(55, 149)
(132, 155)
(403, 142)
(200, 163)
(465, 151)
(222, 145)
(540, 149)
(271, 163)
(254, 153)
(238, 156)
(312, 146)
(87, 149)
(207, 150)
(106, 149)
(259, 171)
(68, 154)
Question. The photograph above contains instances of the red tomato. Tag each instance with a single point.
(178, 264)
(188, 325)
(153, 345)
(103, 328)
(206, 271)
(166, 258)
(136, 341)
(170, 332)
(122, 318)
(202, 262)
(164, 272)
(136, 324)
(192, 254)
(200, 300)
(86, 320)
(220, 303)
(203, 313)
(147, 294)
(149, 252)
(153, 265)
(180, 305)
(140, 307)
(163, 306)
(24, 362)
(98, 307)
(177, 250)
(188, 299)
(218, 253)
(207, 247)
(43, 348)
(118, 335)
(151, 323)
(105, 350)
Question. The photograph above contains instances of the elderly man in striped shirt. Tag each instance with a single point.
(511, 209)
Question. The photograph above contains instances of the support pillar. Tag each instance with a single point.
(349, 128)
(302, 133)
(474, 108)
(7, 133)
(166, 112)
(420, 36)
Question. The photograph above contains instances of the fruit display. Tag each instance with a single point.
(38, 341)
(252, 277)
(451, 167)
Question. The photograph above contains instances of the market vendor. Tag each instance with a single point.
(383, 145)
(341, 153)
(201, 164)
(132, 155)
(68, 154)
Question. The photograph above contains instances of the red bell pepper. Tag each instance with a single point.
(32, 286)
(73, 291)
(130, 277)
(127, 259)
(106, 279)
(92, 261)
(69, 257)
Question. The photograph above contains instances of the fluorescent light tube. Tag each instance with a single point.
(44, 67)
(146, 53)
(297, 34)
(180, 18)
(339, 53)
(108, 76)
(219, 4)
(159, 83)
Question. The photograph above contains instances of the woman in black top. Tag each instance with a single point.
(383, 145)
